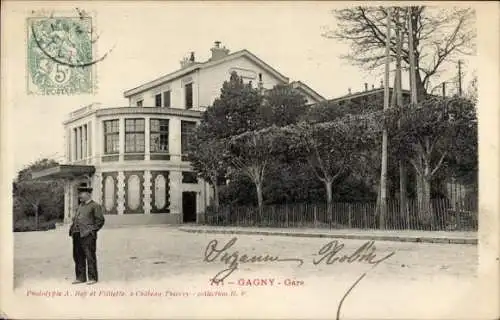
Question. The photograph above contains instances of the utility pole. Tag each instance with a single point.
(399, 103)
(414, 96)
(383, 174)
(460, 78)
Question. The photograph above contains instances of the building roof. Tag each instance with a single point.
(63, 171)
(105, 111)
(204, 65)
(364, 94)
(308, 90)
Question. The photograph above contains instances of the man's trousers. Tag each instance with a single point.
(84, 255)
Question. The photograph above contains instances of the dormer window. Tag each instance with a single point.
(166, 99)
(188, 95)
(162, 99)
(158, 100)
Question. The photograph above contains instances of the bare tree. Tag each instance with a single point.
(441, 35)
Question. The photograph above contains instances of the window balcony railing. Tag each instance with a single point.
(159, 156)
(109, 157)
(127, 156)
(134, 156)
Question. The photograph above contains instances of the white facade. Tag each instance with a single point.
(126, 170)
(211, 79)
(139, 174)
(207, 79)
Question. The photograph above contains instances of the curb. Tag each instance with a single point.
(424, 239)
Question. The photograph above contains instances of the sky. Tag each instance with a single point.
(149, 41)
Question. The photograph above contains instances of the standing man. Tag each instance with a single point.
(88, 220)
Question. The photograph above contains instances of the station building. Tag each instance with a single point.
(134, 157)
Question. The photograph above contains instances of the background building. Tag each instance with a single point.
(134, 157)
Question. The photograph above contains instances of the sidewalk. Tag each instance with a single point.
(455, 237)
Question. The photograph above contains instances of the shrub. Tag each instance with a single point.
(25, 225)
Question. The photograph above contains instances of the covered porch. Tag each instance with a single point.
(73, 176)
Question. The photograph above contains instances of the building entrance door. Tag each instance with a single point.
(189, 207)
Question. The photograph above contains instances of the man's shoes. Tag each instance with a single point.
(77, 282)
(91, 282)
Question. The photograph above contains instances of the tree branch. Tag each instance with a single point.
(414, 164)
(439, 164)
(338, 172)
(313, 168)
(439, 35)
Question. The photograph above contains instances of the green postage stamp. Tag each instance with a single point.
(60, 55)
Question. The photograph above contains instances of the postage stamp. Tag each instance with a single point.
(60, 55)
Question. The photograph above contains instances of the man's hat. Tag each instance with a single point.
(84, 188)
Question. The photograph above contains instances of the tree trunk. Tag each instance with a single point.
(418, 94)
(398, 100)
(216, 198)
(37, 222)
(421, 92)
(420, 192)
(403, 198)
(329, 200)
(426, 209)
(420, 86)
(260, 199)
(377, 205)
(315, 213)
(424, 201)
(383, 212)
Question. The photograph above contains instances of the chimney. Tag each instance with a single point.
(373, 86)
(186, 62)
(218, 52)
(366, 86)
(349, 90)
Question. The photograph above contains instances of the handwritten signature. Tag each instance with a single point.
(329, 254)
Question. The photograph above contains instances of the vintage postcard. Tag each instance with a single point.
(259, 160)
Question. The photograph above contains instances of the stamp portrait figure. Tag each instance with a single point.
(88, 220)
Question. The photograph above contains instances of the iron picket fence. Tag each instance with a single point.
(461, 216)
